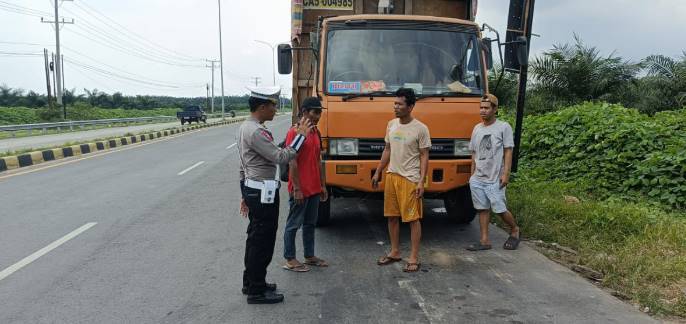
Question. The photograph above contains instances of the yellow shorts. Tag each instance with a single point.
(399, 199)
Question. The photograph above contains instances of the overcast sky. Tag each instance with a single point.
(153, 40)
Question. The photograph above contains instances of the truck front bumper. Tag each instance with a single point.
(356, 175)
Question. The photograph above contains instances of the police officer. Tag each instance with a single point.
(259, 158)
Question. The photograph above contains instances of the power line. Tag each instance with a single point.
(25, 43)
(108, 37)
(20, 54)
(122, 50)
(21, 9)
(72, 51)
(116, 75)
(128, 32)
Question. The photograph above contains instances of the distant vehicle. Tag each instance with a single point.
(192, 114)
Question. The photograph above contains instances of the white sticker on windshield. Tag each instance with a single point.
(344, 87)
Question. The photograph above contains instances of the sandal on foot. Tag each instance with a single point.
(296, 268)
(315, 261)
(387, 260)
(479, 247)
(412, 267)
(512, 243)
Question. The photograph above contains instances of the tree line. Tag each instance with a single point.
(10, 97)
(569, 74)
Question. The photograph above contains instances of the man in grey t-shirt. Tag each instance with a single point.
(491, 146)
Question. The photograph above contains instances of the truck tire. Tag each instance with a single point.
(204, 120)
(458, 205)
(182, 121)
(324, 216)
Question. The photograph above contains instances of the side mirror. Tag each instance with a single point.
(488, 51)
(522, 51)
(285, 57)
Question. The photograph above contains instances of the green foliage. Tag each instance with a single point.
(640, 249)
(13, 116)
(18, 98)
(80, 111)
(577, 73)
(610, 150)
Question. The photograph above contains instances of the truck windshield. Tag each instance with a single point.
(438, 62)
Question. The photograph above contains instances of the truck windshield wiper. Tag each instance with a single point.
(368, 94)
(447, 94)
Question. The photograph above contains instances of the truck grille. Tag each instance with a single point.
(371, 149)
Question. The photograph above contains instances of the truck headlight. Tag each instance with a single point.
(462, 148)
(344, 146)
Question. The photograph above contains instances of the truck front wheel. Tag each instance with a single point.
(458, 205)
(325, 211)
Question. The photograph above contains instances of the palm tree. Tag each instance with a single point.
(670, 76)
(574, 73)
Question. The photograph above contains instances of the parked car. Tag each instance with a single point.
(192, 114)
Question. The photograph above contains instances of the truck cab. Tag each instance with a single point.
(356, 62)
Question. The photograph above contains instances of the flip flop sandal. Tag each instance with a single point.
(479, 247)
(385, 260)
(317, 262)
(512, 243)
(415, 265)
(297, 268)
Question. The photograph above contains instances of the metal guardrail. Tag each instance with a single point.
(85, 124)
(81, 124)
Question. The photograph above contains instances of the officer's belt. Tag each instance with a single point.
(259, 185)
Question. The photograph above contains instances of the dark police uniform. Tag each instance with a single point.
(259, 157)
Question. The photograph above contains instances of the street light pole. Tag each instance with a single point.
(273, 48)
(221, 55)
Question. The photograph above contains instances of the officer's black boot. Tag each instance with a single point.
(270, 287)
(268, 297)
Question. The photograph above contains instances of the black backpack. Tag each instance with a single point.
(283, 168)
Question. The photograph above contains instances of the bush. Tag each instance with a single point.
(18, 115)
(609, 149)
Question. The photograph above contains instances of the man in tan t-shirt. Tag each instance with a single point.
(407, 149)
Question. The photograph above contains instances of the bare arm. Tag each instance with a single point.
(473, 162)
(507, 165)
(385, 158)
(423, 170)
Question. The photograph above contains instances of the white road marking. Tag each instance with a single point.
(191, 167)
(230, 146)
(27, 260)
(407, 285)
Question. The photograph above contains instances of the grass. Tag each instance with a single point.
(638, 247)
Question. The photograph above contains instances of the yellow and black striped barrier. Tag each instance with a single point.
(37, 157)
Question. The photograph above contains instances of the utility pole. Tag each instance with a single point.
(207, 97)
(58, 68)
(64, 88)
(212, 62)
(221, 54)
(54, 77)
(47, 76)
(257, 80)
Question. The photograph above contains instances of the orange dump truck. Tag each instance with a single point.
(354, 54)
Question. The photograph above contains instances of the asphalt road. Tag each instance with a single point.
(156, 241)
(43, 141)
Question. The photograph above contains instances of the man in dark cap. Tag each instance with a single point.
(307, 188)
